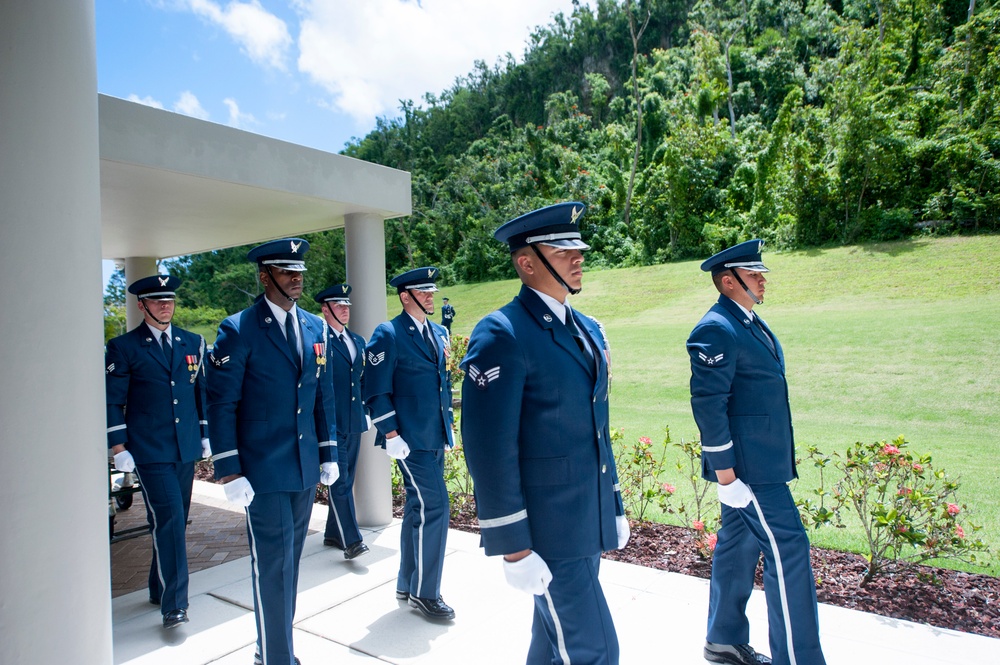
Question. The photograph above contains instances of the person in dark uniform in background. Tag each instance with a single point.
(155, 386)
(447, 315)
(739, 397)
(345, 353)
(537, 442)
(407, 389)
(274, 431)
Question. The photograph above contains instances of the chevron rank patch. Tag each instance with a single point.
(482, 379)
(375, 359)
(710, 360)
(110, 368)
(219, 362)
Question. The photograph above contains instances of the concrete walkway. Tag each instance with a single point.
(347, 613)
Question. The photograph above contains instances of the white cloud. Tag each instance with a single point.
(237, 118)
(147, 101)
(188, 104)
(369, 54)
(262, 36)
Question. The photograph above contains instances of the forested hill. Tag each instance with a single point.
(688, 126)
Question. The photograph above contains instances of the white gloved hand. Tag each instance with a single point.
(735, 495)
(329, 472)
(530, 574)
(368, 422)
(124, 461)
(622, 527)
(396, 447)
(239, 491)
(206, 449)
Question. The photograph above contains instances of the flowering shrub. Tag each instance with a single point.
(908, 510)
(640, 473)
(704, 503)
(459, 347)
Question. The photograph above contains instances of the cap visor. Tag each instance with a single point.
(566, 243)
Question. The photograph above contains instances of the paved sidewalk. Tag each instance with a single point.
(347, 613)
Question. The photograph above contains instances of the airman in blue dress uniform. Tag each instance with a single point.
(345, 353)
(274, 432)
(537, 442)
(739, 397)
(155, 385)
(407, 390)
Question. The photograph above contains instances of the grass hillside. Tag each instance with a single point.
(880, 340)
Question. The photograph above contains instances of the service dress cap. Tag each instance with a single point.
(745, 255)
(418, 279)
(556, 225)
(287, 253)
(338, 294)
(155, 287)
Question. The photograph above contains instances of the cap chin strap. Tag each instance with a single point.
(749, 292)
(414, 299)
(329, 308)
(552, 270)
(277, 286)
(150, 314)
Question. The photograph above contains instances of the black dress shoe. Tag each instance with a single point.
(154, 601)
(355, 550)
(734, 654)
(330, 542)
(433, 608)
(175, 618)
(402, 595)
(257, 660)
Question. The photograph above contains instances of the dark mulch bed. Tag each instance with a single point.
(935, 596)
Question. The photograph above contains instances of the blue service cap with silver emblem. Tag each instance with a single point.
(418, 279)
(287, 253)
(745, 255)
(155, 287)
(555, 225)
(338, 294)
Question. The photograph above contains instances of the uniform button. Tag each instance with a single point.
(172, 383)
(300, 436)
(175, 401)
(177, 420)
(299, 410)
(352, 399)
(604, 468)
(300, 385)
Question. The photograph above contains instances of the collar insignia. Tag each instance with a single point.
(547, 317)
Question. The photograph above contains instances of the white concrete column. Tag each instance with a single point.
(136, 267)
(365, 249)
(55, 600)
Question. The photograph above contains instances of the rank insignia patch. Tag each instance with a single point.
(710, 360)
(219, 362)
(110, 368)
(376, 359)
(482, 379)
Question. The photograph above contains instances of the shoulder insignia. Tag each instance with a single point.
(219, 362)
(710, 360)
(376, 359)
(110, 368)
(482, 379)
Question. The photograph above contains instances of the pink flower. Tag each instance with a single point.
(959, 531)
(698, 525)
(904, 491)
(710, 540)
(918, 467)
(668, 488)
(645, 440)
(953, 509)
(889, 449)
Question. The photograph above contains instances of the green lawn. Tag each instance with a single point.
(880, 340)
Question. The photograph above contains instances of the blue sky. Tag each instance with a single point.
(313, 72)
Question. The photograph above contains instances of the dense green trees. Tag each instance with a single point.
(805, 122)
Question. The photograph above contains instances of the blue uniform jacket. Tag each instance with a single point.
(535, 433)
(271, 421)
(405, 389)
(156, 411)
(739, 397)
(347, 376)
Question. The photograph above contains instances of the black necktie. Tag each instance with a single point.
(165, 347)
(577, 335)
(770, 342)
(342, 338)
(293, 344)
(430, 342)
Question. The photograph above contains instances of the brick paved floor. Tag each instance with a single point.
(214, 536)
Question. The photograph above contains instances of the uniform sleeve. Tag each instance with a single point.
(492, 394)
(325, 411)
(380, 359)
(712, 351)
(116, 379)
(225, 388)
(201, 389)
(605, 347)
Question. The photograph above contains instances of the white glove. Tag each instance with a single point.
(239, 492)
(621, 526)
(530, 575)
(368, 422)
(396, 447)
(329, 472)
(735, 495)
(206, 449)
(124, 461)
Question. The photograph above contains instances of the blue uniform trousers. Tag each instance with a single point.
(572, 623)
(341, 520)
(277, 524)
(770, 524)
(425, 524)
(166, 491)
